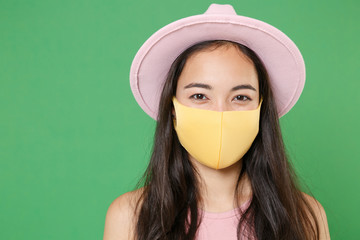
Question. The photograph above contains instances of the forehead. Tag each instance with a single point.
(222, 66)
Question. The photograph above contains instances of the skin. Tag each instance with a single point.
(223, 79)
(207, 82)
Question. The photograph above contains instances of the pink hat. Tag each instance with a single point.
(281, 57)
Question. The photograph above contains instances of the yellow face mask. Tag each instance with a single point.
(216, 139)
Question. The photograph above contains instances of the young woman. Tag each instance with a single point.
(216, 84)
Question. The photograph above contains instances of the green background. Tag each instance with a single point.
(72, 137)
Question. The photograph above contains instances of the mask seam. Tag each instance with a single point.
(221, 132)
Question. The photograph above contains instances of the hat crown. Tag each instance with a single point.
(221, 9)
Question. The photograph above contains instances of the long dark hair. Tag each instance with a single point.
(168, 207)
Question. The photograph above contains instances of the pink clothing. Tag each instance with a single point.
(221, 226)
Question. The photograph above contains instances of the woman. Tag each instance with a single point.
(217, 83)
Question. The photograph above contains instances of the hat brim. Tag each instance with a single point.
(281, 57)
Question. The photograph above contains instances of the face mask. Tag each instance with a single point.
(216, 139)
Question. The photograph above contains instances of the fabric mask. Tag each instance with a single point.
(216, 139)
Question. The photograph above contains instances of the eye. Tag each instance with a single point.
(242, 98)
(198, 96)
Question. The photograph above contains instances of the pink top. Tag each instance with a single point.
(215, 226)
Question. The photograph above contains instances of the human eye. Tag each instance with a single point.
(242, 98)
(198, 96)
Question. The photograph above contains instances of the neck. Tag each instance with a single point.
(217, 187)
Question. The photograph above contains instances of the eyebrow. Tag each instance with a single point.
(243, 86)
(206, 86)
